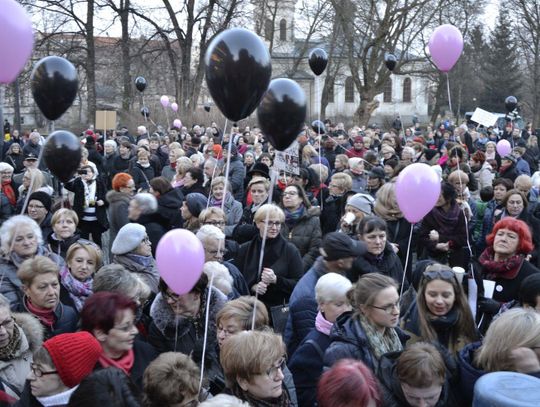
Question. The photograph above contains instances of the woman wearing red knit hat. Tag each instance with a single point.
(58, 368)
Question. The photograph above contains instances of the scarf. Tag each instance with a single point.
(447, 221)
(8, 191)
(380, 343)
(443, 326)
(292, 217)
(60, 399)
(10, 351)
(322, 324)
(46, 316)
(78, 291)
(504, 168)
(145, 261)
(281, 401)
(218, 202)
(506, 269)
(125, 363)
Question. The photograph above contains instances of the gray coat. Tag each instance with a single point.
(118, 212)
(237, 173)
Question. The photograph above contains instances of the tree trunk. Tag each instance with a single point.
(90, 63)
(367, 106)
(438, 99)
(126, 60)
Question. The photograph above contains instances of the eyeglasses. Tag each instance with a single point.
(272, 224)
(215, 223)
(36, 207)
(388, 308)
(290, 193)
(39, 373)
(216, 252)
(273, 371)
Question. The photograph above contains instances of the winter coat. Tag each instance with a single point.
(118, 212)
(387, 264)
(15, 371)
(398, 232)
(66, 320)
(484, 176)
(391, 387)
(468, 372)
(148, 274)
(169, 205)
(510, 173)
(245, 230)
(237, 173)
(155, 227)
(6, 209)
(169, 333)
(120, 164)
(142, 176)
(306, 366)
(349, 340)
(195, 188)
(305, 234)
(303, 306)
(533, 221)
(233, 212)
(108, 168)
(11, 286)
(331, 213)
(16, 161)
(279, 255)
(168, 172)
(60, 247)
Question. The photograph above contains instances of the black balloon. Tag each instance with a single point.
(62, 154)
(390, 61)
(318, 127)
(140, 83)
(318, 59)
(207, 107)
(238, 71)
(510, 103)
(145, 112)
(54, 86)
(282, 112)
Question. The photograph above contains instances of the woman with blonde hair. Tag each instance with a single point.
(33, 180)
(231, 207)
(182, 165)
(512, 343)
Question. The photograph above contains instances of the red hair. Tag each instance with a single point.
(120, 180)
(102, 308)
(349, 383)
(525, 245)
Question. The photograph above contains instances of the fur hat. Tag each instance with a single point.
(196, 202)
(74, 355)
(129, 237)
(42, 197)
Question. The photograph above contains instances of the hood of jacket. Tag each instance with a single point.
(172, 199)
(116, 196)
(347, 329)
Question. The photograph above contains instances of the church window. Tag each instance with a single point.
(407, 90)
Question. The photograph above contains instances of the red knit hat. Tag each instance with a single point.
(74, 355)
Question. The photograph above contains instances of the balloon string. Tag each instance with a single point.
(319, 135)
(216, 166)
(167, 116)
(406, 261)
(448, 89)
(261, 254)
(143, 105)
(227, 167)
(206, 318)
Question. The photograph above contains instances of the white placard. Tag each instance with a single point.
(489, 288)
(288, 160)
(473, 295)
(484, 117)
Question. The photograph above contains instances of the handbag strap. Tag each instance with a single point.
(317, 347)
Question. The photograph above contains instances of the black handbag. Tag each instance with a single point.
(279, 314)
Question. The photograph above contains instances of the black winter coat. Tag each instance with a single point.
(169, 205)
(66, 320)
(387, 264)
(305, 234)
(331, 214)
(155, 228)
(142, 176)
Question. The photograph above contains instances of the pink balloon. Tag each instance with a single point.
(164, 101)
(177, 123)
(16, 39)
(445, 46)
(417, 190)
(174, 107)
(180, 260)
(504, 148)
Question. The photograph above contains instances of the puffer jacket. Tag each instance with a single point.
(15, 370)
(306, 235)
(349, 340)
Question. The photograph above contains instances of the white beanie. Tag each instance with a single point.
(129, 237)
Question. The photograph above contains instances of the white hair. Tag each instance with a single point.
(147, 202)
(111, 143)
(5, 167)
(223, 280)
(331, 286)
(354, 162)
(9, 229)
(210, 232)
(223, 400)
(142, 129)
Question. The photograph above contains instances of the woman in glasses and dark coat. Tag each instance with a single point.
(371, 329)
(440, 313)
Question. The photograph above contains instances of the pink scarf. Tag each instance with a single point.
(322, 325)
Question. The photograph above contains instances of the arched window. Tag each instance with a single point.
(407, 90)
(349, 90)
(387, 97)
(283, 30)
(268, 30)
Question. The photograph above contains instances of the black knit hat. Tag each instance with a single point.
(42, 197)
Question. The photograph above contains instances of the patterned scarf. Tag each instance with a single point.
(145, 261)
(281, 401)
(10, 351)
(380, 343)
(78, 291)
(291, 217)
(507, 269)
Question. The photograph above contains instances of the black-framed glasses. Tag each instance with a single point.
(272, 224)
(217, 223)
(388, 308)
(36, 371)
(273, 371)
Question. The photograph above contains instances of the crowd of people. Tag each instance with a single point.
(316, 290)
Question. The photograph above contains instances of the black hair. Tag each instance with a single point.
(503, 181)
(109, 387)
(448, 192)
(529, 290)
(371, 223)
(197, 174)
(486, 193)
